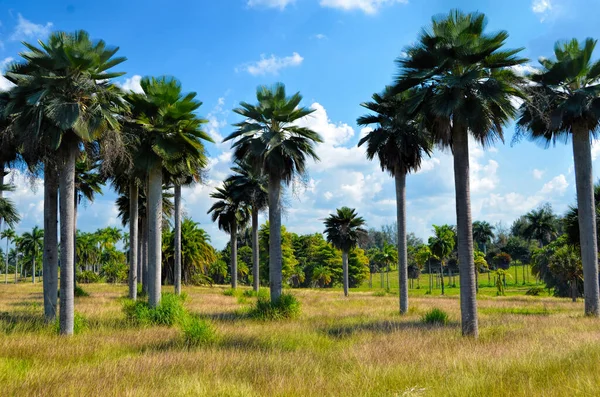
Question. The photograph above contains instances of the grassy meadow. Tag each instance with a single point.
(337, 346)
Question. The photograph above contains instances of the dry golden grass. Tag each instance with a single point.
(338, 346)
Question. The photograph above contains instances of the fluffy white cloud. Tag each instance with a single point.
(542, 8)
(367, 6)
(537, 174)
(271, 65)
(26, 29)
(5, 85)
(332, 134)
(525, 69)
(133, 84)
(558, 185)
(281, 4)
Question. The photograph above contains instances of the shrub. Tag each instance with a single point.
(88, 277)
(534, 291)
(230, 292)
(170, 311)
(435, 317)
(115, 272)
(250, 293)
(197, 331)
(287, 306)
(80, 324)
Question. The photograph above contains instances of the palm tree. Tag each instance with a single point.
(400, 144)
(275, 146)
(251, 187)
(541, 225)
(169, 132)
(31, 244)
(483, 233)
(9, 235)
(344, 229)
(465, 88)
(564, 102)
(441, 245)
(231, 215)
(64, 98)
(386, 256)
(8, 210)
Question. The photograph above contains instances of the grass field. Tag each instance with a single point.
(338, 346)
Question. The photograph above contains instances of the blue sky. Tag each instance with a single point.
(337, 53)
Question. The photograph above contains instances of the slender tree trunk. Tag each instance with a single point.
(33, 267)
(17, 267)
(442, 276)
(255, 252)
(400, 176)
(67, 196)
(140, 248)
(574, 291)
(177, 230)
(6, 265)
(75, 203)
(145, 256)
(233, 244)
(133, 240)
(345, 271)
(582, 157)
(464, 226)
(154, 235)
(275, 254)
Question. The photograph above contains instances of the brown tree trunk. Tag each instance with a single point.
(464, 226)
(133, 240)
(582, 157)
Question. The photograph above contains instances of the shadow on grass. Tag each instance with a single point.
(234, 316)
(381, 327)
(21, 322)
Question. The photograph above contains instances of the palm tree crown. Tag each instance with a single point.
(227, 211)
(344, 228)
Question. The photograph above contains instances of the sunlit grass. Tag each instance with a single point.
(358, 345)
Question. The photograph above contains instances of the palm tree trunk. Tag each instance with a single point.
(442, 276)
(6, 265)
(177, 230)
(140, 247)
(75, 240)
(582, 157)
(400, 176)
(33, 267)
(275, 254)
(145, 256)
(345, 270)
(574, 291)
(233, 246)
(255, 253)
(464, 226)
(154, 235)
(66, 187)
(133, 240)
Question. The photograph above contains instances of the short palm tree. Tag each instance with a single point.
(441, 245)
(564, 103)
(250, 186)
(63, 99)
(344, 229)
(270, 140)
(483, 233)
(31, 244)
(466, 87)
(168, 131)
(9, 235)
(400, 144)
(231, 215)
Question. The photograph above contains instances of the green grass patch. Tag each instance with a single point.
(435, 317)
(287, 306)
(197, 332)
(523, 311)
(80, 324)
(170, 311)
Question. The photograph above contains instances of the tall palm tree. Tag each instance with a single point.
(541, 225)
(483, 233)
(400, 144)
(231, 215)
(441, 245)
(9, 235)
(344, 229)
(465, 88)
(64, 98)
(564, 102)
(169, 130)
(251, 187)
(31, 244)
(275, 146)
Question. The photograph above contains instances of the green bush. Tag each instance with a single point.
(287, 306)
(250, 293)
(80, 324)
(197, 331)
(115, 272)
(230, 292)
(88, 277)
(169, 311)
(435, 317)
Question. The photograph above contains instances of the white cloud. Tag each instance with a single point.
(595, 149)
(542, 8)
(133, 84)
(320, 36)
(5, 85)
(328, 196)
(332, 134)
(26, 29)
(557, 185)
(271, 65)
(281, 4)
(367, 6)
(537, 174)
(525, 69)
